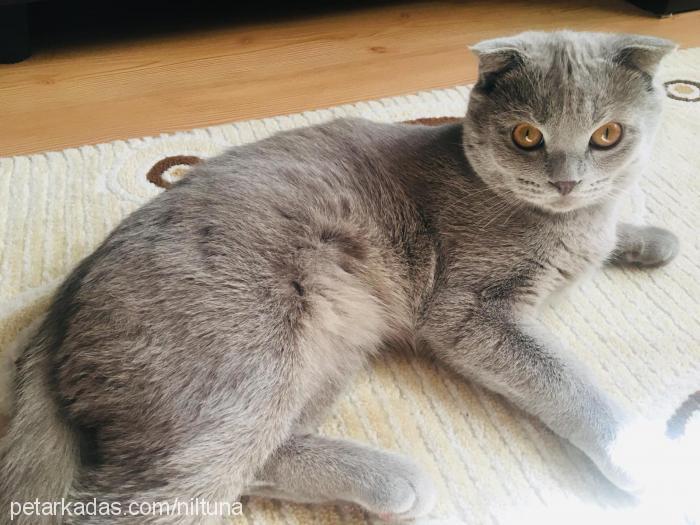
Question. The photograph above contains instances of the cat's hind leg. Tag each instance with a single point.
(315, 469)
(149, 462)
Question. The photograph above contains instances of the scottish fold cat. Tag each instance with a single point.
(195, 351)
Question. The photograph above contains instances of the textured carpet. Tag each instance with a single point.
(638, 331)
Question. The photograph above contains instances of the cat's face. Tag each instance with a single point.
(563, 120)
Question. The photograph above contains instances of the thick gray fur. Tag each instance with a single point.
(193, 353)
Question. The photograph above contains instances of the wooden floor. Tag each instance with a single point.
(98, 91)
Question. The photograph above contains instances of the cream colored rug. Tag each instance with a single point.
(638, 331)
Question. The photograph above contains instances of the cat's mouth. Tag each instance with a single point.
(554, 202)
(578, 198)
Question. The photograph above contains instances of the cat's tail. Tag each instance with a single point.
(39, 454)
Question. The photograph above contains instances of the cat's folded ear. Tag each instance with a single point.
(642, 52)
(496, 56)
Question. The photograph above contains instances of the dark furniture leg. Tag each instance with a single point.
(667, 7)
(14, 33)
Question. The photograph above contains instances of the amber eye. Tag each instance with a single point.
(527, 136)
(607, 135)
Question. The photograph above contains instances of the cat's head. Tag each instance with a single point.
(563, 120)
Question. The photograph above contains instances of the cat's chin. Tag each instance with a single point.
(562, 207)
(565, 204)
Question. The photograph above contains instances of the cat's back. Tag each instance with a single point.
(312, 234)
(356, 155)
(350, 183)
(261, 221)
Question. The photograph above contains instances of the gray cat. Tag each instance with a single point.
(194, 353)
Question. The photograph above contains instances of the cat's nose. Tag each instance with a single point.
(565, 186)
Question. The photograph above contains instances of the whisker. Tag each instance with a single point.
(517, 207)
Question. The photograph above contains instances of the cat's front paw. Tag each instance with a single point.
(642, 459)
(648, 246)
(397, 490)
